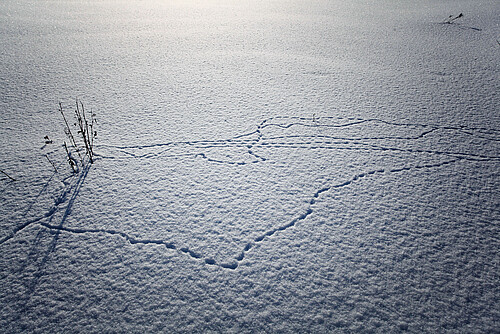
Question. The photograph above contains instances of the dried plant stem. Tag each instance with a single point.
(13, 179)
(53, 165)
(70, 159)
(452, 18)
(69, 134)
(84, 130)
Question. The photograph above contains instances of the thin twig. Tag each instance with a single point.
(92, 130)
(10, 177)
(88, 136)
(451, 18)
(70, 159)
(53, 165)
(69, 133)
(83, 125)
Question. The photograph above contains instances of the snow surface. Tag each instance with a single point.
(262, 166)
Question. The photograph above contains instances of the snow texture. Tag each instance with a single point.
(261, 166)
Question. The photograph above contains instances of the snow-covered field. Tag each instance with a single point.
(261, 166)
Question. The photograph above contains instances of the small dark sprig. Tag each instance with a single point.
(452, 18)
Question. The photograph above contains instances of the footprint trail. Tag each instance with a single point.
(266, 139)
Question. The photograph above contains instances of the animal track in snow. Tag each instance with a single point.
(267, 138)
(252, 243)
(264, 137)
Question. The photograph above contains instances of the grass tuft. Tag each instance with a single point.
(84, 127)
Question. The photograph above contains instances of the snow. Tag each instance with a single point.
(260, 166)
